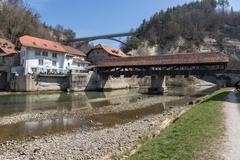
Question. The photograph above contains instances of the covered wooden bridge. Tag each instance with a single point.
(159, 66)
(177, 64)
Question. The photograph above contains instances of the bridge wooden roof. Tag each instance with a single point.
(110, 50)
(166, 60)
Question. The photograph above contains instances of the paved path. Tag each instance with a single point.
(231, 150)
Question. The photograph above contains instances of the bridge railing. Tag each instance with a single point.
(163, 70)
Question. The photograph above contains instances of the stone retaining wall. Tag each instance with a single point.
(92, 81)
(30, 83)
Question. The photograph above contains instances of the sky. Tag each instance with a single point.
(97, 17)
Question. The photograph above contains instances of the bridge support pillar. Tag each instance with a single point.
(158, 85)
(101, 81)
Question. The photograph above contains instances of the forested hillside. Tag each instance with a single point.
(186, 27)
(17, 19)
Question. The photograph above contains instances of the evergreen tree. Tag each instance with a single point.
(193, 22)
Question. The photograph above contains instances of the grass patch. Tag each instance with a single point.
(190, 134)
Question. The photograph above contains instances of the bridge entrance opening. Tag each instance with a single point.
(237, 86)
(3, 80)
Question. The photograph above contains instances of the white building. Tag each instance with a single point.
(48, 57)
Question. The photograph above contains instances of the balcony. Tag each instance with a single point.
(49, 72)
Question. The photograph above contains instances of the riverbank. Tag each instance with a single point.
(231, 138)
(191, 136)
(103, 125)
(93, 144)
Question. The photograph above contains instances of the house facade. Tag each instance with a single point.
(40, 56)
(101, 52)
(75, 60)
(9, 57)
(8, 54)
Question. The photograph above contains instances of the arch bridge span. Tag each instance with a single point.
(106, 36)
(113, 39)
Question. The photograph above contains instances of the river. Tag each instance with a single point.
(41, 114)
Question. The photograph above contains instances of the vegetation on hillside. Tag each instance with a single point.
(191, 135)
(192, 22)
(18, 19)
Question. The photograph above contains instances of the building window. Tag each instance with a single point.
(3, 60)
(68, 64)
(34, 70)
(23, 53)
(54, 55)
(68, 57)
(37, 53)
(40, 62)
(54, 63)
(54, 70)
(45, 54)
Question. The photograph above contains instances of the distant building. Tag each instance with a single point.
(8, 54)
(101, 52)
(48, 57)
(9, 57)
(75, 59)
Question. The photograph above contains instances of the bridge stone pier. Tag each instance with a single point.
(158, 84)
(110, 82)
(101, 82)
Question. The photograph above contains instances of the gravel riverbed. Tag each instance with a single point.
(146, 113)
(91, 144)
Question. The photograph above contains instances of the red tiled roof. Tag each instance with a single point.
(34, 42)
(41, 43)
(110, 50)
(7, 47)
(163, 60)
(73, 51)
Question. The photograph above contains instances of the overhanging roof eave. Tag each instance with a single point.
(162, 65)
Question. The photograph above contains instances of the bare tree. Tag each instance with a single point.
(224, 4)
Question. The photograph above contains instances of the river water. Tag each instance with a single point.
(93, 103)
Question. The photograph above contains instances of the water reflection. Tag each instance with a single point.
(39, 128)
(90, 100)
(62, 102)
(112, 119)
(44, 127)
(41, 102)
(191, 91)
(52, 125)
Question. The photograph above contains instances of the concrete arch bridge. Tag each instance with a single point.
(112, 37)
